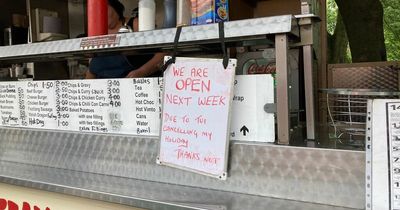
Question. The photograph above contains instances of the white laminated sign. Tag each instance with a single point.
(383, 155)
(125, 106)
(196, 115)
(250, 122)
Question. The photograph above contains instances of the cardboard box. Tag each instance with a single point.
(209, 11)
(240, 9)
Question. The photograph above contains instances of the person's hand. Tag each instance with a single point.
(89, 75)
(134, 74)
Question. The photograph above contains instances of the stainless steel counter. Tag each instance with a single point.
(115, 168)
(139, 193)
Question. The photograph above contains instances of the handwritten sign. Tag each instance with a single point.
(196, 114)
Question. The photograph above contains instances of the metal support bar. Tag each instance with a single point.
(29, 13)
(307, 40)
(282, 89)
(192, 36)
(309, 91)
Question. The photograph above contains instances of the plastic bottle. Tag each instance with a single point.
(184, 12)
(147, 15)
(170, 13)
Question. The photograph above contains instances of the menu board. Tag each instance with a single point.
(9, 104)
(123, 106)
(394, 152)
(383, 155)
(196, 115)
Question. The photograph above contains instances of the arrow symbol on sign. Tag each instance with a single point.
(244, 130)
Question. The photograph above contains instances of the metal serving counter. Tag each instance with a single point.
(84, 164)
(138, 193)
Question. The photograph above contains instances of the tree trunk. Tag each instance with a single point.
(337, 43)
(363, 20)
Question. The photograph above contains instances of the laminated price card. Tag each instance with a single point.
(119, 106)
(196, 116)
(383, 155)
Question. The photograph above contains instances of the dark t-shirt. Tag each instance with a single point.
(139, 60)
(117, 66)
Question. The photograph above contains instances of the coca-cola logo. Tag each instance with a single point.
(11, 205)
(262, 69)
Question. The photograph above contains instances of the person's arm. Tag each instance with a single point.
(90, 75)
(149, 68)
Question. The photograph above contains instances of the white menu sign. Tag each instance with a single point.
(196, 115)
(250, 122)
(124, 106)
(383, 155)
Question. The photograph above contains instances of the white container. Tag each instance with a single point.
(147, 15)
(183, 13)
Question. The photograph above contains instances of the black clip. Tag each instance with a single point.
(173, 57)
(221, 28)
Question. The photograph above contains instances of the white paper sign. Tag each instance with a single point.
(250, 122)
(124, 106)
(196, 110)
(9, 107)
(383, 155)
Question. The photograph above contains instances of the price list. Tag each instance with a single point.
(9, 108)
(121, 106)
(39, 107)
(146, 105)
(394, 153)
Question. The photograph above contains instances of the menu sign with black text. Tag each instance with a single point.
(383, 155)
(125, 106)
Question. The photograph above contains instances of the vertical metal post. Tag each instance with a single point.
(29, 13)
(309, 91)
(306, 29)
(282, 88)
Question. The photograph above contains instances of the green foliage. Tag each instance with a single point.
(331, 12)
(391, 24)
(332, 18)
(392, 28)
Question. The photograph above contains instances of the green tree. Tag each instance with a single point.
(372, 25)
(392, 28)
(363, 20)
(338, 43)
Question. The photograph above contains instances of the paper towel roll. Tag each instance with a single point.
(147, 15)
